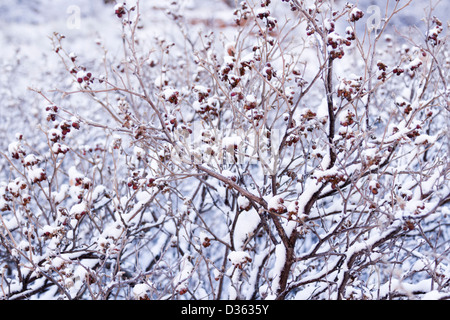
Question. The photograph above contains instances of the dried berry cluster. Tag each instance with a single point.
(349, 88)
(335, 45)
(348, 120)
(120, 9)
(83, 76)
(242, 14)
(264, 15)
(404, 104)
(60, 130)
(434, 33)
(51, 112)
(334, 179)
(356, 14)
(276, 205)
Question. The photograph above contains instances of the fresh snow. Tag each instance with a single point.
(247, 222)
(68, 213)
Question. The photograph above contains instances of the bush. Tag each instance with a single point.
(296, 155)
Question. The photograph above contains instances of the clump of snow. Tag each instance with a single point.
(425, 139)
(428, 185)
(230, 175)
(170, 94)
(55, 134)
(201, 91)
(275, 272)
(161, 81)
(140, 291)
(181, 280)
(138, 152)
(231, 144)
(414, 64)
(113, 230)
(37, 175)
(49, 231)
(16, 149)
(356, 14)
(244, 203)
(15, 187)
(60, 148)
(329, 25)
(58, 262)
(74, 175)
(246, 224)
(30, 160)
(434, 295)
(98, 193)
(78, 210)
(239, 258)
(276, 204)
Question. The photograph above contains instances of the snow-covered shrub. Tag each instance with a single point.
(293, 154)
